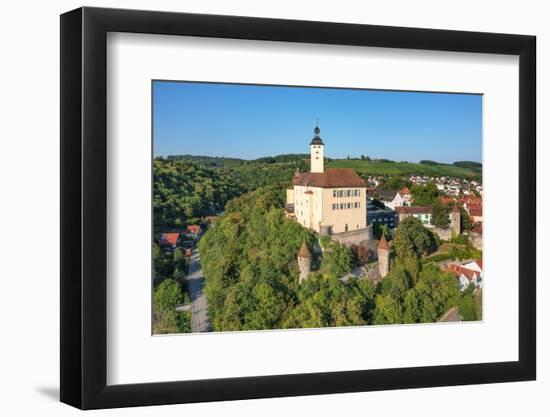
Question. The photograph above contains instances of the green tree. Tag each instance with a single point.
(440, 215)
(165, 317)
(337, 260)
(424, 195)
(465, 220)
(388, 310)
(412, 239)
(394, 182)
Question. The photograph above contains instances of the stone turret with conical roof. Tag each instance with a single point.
(455, 220)
(304, 261)
(383, 256)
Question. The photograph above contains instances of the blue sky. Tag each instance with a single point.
(251, 121)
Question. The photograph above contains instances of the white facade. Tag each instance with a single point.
(317, 157)
(340, 209)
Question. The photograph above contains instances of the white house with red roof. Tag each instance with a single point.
(467, 273)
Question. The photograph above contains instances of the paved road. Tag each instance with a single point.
(199, 308)
(451, 315)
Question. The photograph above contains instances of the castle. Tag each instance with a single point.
(332, 202)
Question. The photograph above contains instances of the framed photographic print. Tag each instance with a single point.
(258, 207)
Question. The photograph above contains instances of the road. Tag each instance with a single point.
(451, 315)
(199, 307)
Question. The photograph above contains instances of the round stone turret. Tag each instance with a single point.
(304, 262)
(455, 220)
(383, 256)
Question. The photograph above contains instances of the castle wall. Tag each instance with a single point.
(444, 234)
(354, 237)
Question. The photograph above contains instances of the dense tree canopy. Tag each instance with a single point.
(249, 260)
(412, 240)
(183, 191)
(165, 317)
(424, 195)
(440, 215)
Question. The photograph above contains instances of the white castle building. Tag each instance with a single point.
(329, 201)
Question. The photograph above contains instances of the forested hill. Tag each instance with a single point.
(188, 187)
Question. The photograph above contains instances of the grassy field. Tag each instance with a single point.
(403, 168)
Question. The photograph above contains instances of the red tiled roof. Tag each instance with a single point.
(404, 190)
(473, 206)
(477, 212)
(304, 251)
(413, 209)
(169, 238)
(446, 199)
(194, 228)
(459, 270)
(471, 199)
(479, 263)
(383, 243)
(478, 228)
(331, 178)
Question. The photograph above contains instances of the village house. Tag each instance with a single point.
(406, 195)
(475, 211)
(422, 213)
(467, 273)
(193, 231)
(170, 240)
(391, 198)
(329, 201)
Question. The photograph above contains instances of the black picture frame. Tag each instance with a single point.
(84, 207)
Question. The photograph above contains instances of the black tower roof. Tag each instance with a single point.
(317, 139)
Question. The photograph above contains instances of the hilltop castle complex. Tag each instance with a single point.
(332, 202)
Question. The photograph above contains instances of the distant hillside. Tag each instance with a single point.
(206, 161)
(406, 168)
(467, 164)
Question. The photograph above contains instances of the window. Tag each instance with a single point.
(334, 193)
(335, 206)
(348, 193)
(341, 193)
(356, 193)
(356, 204)
(341, 206)
(349, 205)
